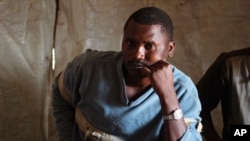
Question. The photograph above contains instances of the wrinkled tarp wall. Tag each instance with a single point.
(29, 29)
(26, 36)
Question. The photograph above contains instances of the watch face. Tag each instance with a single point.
(177, 114)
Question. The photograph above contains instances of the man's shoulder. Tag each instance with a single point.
(235, 54)
(181, 78)
(183, 83)
(96, 55)
(235, 57)
(101, 54)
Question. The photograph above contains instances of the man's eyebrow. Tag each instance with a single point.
(151, 42)
(129, 39)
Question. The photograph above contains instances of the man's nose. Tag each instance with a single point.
(140, 52)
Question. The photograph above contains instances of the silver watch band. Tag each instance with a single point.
(177, 114)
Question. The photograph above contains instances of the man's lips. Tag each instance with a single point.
(137, 65)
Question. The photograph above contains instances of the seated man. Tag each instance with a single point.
(227, 81)
(131, 95)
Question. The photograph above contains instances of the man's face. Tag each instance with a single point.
(144, 45)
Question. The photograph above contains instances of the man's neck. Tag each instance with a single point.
(136, 86)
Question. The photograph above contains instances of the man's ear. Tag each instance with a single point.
(171, 49)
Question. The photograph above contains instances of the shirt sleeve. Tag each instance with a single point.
(210, 86)
(191, 107)
(191, 134)
(63, 113)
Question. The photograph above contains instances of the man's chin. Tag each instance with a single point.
(138, 73)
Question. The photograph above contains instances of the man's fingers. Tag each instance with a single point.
(145, 71)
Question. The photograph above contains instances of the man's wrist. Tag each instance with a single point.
(175, 115)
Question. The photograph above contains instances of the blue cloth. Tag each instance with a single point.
(96, 81)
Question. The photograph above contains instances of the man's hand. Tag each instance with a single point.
(160, 75)
(161, 78)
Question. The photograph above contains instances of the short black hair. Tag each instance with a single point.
(153, 16)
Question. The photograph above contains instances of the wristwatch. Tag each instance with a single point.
(176, 114)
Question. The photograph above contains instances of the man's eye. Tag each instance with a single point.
(149, 46)
(130, 43)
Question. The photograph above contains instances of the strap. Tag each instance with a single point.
(65, 93)
(189, 121)
(92, 133)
